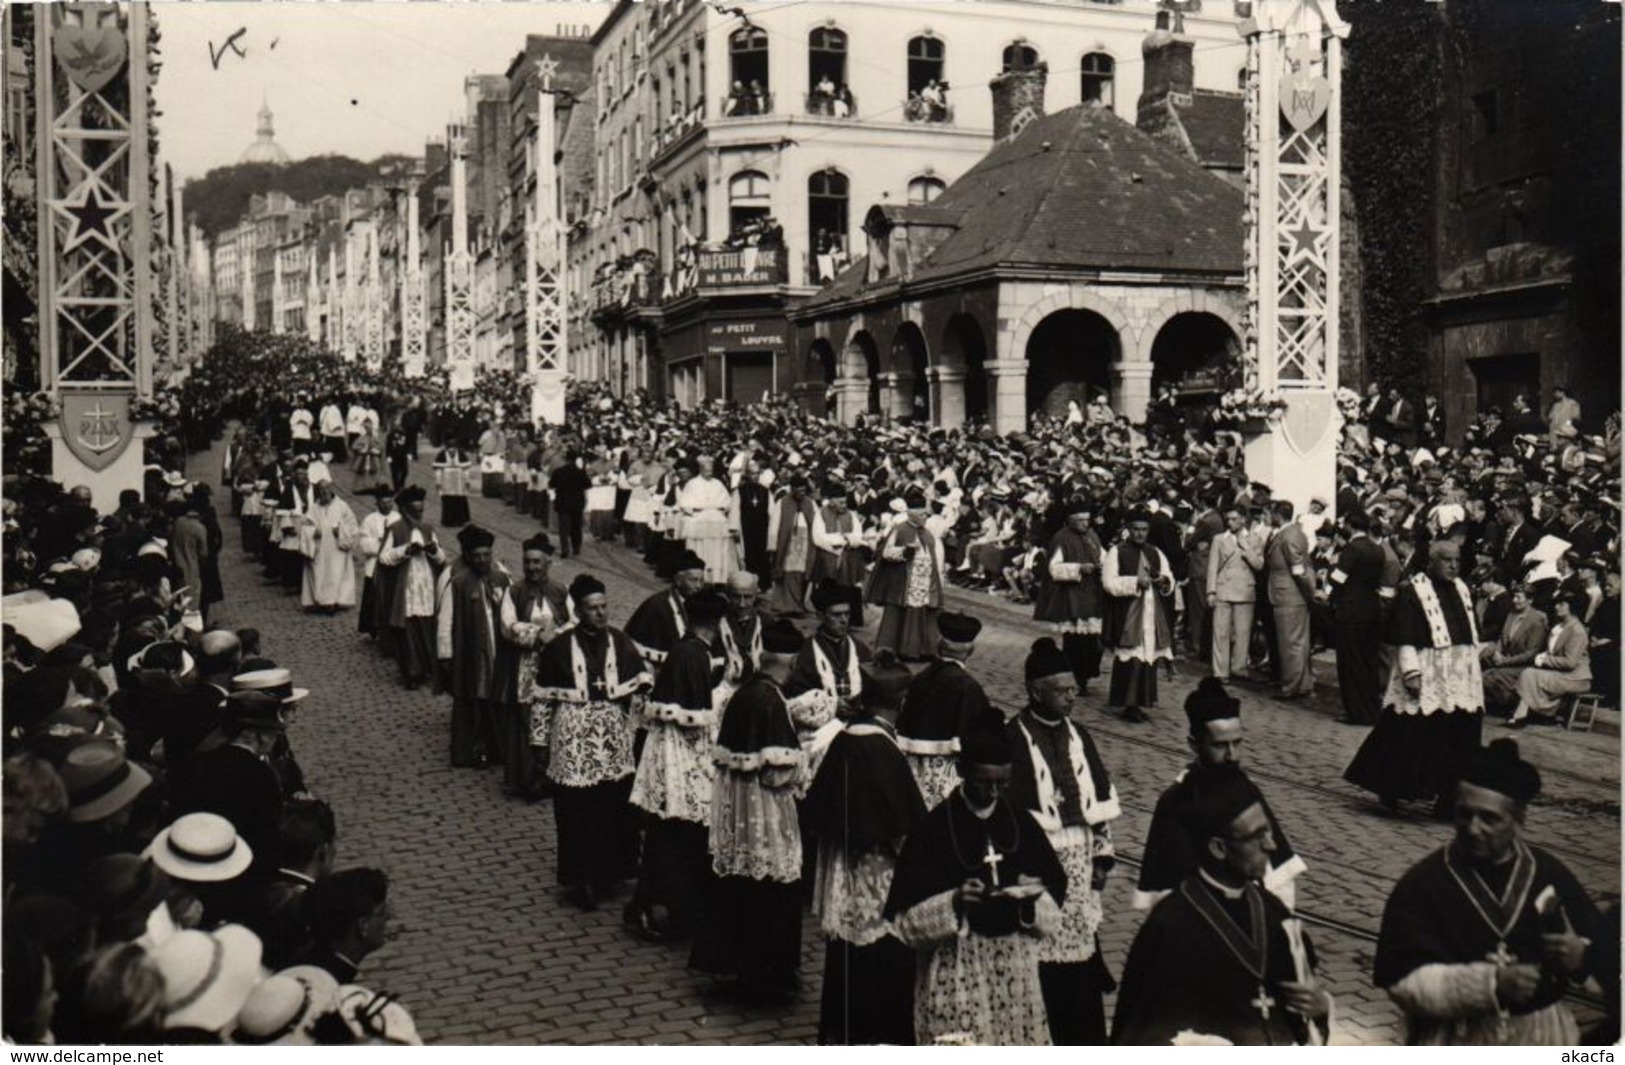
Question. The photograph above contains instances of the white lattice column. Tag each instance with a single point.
(1294, 147)
(247, 253)
(278, 308)
(95, 216)
(546, 345)
(372, 322)
(333, 331)
(313, 297)
(414, 316)
(459, 274)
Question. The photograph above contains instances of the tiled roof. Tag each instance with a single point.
(1213, 122)
(1079, 189)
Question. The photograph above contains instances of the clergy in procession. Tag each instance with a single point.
(1070, 595)
(751, 930)
(827, 677)
(1137, 628)
(327, 535)
(291, 509)
(369, 544)
(710, 523)
(1221, 960)
(792, 555)
(977, 888)
(331, 425)
(1433, 709)
(740, 634)
(534, 610)
(451, 477)
(673, 780)
(660, 620)
(837, 539)
(907, 583)
(1173, 846)
(861, 806)
(944, 702)
(473, 656)
(1481, 939)
(412, 554)
(588, 683)
(1059, 778)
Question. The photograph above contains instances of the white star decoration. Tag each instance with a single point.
(545, 68)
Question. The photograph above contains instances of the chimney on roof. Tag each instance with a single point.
(1170, 70)
(1018, 98)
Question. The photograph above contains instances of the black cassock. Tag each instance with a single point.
(1211, 965)
(1446, 911)
(864, 802)
(943, 703)
(1173, 847)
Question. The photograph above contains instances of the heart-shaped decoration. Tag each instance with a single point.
(1304, 100)
(1308, 420)
(91, 56)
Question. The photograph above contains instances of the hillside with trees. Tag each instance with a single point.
(219, 198)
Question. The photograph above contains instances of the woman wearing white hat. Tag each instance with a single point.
(208, 976)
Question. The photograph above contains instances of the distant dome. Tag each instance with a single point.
(265, 149)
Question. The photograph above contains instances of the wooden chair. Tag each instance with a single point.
(1583, 711)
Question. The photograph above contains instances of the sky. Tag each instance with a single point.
(347, 76)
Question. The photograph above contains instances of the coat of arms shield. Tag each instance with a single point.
(96, 426)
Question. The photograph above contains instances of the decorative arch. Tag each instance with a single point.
(1204, 302)
(1074, 300)
(909, 358)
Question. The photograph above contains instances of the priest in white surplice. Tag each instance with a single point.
(710, 524)
(326, 537)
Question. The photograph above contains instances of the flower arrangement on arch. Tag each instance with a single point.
(1248, 405)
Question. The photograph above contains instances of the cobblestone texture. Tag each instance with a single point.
(483, 950)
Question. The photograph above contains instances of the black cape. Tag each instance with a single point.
(1433, 918)
(1173, 844)
(864, 794)
(951, 845)
(1184, 973)
(943, 703)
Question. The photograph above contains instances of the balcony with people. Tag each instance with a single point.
(753, 256)
(927, 100)
(624, 285)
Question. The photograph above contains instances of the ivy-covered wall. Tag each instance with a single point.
(1391, 91)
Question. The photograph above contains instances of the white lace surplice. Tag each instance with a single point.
(592, 743)
(849, 896)
(676, 773)
(754, 832)
(975, 990)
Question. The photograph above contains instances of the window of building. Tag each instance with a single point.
(926, 64)
(749, 199)
(826, 61)
(748, 72)
(1020, 56)
(1241, 80)
(922, 190)
(1098, 71)
(827, 201)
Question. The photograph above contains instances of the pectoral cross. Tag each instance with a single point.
(1500, 956)
(1262, 1003)
(993, 859)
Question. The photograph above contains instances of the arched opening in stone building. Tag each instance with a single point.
(1069, 357)
(817, 378)
(1199, 354)
(909, 363)
(962, 357)
(863, 363)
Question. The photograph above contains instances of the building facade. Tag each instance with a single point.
(715, 131)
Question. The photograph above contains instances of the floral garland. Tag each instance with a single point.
(1248, 405)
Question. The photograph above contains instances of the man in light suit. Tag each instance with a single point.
(1232, 586)
(1564, 413)
(1291, 587)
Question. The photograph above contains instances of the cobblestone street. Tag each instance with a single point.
(484, 951)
